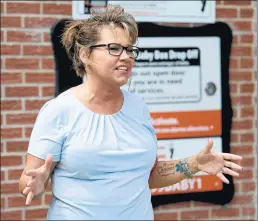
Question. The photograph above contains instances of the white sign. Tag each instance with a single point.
(201, 11)
(180, 80)
(174, 69)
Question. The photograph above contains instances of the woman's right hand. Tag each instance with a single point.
(37, 180)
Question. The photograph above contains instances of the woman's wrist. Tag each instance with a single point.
(193, 164)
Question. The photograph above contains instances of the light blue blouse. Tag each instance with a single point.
(104, 161)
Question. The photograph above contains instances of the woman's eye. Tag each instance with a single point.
(114, 49)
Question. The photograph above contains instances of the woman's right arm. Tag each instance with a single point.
(44, 150)
(35, 176)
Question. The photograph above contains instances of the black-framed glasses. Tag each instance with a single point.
(117, 49)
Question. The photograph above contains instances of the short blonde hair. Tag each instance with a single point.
(85, 33)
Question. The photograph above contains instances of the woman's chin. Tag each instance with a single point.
(122, 81)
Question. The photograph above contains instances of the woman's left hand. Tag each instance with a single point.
(216, 163)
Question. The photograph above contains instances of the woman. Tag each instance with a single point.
(96, 141)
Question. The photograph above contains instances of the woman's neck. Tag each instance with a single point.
(99, 93)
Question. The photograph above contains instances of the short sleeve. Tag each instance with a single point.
(48, 133)
(147, 117)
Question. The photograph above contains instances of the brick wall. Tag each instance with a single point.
(27, 82)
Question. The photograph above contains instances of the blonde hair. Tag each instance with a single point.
(85, 33)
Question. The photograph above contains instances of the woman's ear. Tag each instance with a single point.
(84, 55)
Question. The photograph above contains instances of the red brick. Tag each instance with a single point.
(247, 38)
(37, 50)
(242, 100)
(2, 175)
(7, 133)
(11, 160)
(24, 36)
(14, 174)
(9, 188)
(62, 9)
(35, 214)
(166, 216)
(234, 137)
(226, 12)
(219, 2)
(39, 77)
(28, 131)
(248, 186)
(233, 88)
(48, 91)
(246, 12)
(25, 8)
(49, 187)
(11, 78)
(233, 63)
(242, 200)
(10, 105)
(195, 214)
(237, 2)
(3, 7)
(247, 162)
(2, 36)
(47, 37)
(34, 104)
(241, 75)
(48, 63)
(247, 137)
(16, 146)
(19, 201)
(21, 118)
(47, 199)
(242, 124)
(10, 21)
(237, 187)
(39, 22)
(21, 91)
(3, 203)
(241, 51)
(247, 88)
(12, 215)
(10, 49)
(235, 41)
(22, 63)
(242, 149)
(201, 204)
(246, 174)
(249, 211)
(225, 212)
(2, 122)
(175, 205)
(246, 63)
(235, 112)
(242, 25)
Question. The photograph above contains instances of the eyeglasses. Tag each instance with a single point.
(117, 49)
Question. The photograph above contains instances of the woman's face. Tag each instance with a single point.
(113, 70)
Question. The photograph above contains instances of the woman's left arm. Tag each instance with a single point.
(166, 173)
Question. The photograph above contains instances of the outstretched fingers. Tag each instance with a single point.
(222, 177)
(230, 172)
(232, 165)
(29, 198)
(229, 156)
